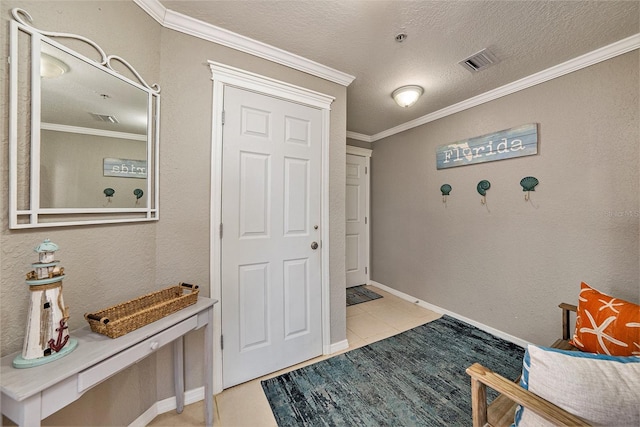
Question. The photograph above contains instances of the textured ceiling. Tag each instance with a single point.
(357, 37)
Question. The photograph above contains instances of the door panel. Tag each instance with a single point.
(352, 251)
(255, 197)
(253, 304)
(296, 297)
(255, 122)
(297, 131)
(296, 196)
(271, 288)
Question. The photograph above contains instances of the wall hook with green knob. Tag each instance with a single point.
(138, 193)
(482, 188)
(445, 189)
(108, 193)
(528, 184)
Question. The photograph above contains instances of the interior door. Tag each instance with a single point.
(271, 262)
(357, 238)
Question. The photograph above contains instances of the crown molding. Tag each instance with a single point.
(154, 8)
(194, 27)
(359, 136)
(92, 131)
(200, 29)
(607, 52)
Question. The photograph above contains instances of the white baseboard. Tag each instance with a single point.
(166, 405)
(338, 346)
(500, 334)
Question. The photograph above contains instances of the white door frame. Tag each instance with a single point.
(223, 75)
(366, 153)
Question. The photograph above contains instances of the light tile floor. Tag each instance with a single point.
(245, 405)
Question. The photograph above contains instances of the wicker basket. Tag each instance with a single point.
(128, 316)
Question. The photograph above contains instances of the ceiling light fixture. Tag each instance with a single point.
(51, 67)
(406, 96)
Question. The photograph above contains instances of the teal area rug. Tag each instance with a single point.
(359, 294)
(416, 378)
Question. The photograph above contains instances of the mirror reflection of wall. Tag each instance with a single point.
(72, 175)
(104, 116)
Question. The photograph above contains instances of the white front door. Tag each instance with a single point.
(271, 212)
(357, 237)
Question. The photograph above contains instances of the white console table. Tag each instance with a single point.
(32, 394)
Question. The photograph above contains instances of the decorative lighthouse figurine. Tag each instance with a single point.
(47, 337)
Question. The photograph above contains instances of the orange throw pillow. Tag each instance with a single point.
(606, 325)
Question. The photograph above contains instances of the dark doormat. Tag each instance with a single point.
(359, 294)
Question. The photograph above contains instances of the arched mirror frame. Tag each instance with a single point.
(25, 209)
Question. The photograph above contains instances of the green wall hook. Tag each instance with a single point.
(482, 188)
(445, 189)
(528, 184)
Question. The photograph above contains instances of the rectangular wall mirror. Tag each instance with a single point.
(83, 137)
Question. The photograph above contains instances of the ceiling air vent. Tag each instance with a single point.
(479, 61)
(104, 118)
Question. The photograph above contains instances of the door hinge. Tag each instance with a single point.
(366, 270)
(223, 114)
(221, 230)
(221, 342)
(365, 220)
(365, 170)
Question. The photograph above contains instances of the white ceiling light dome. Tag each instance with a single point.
(51, 67)
(406, 96)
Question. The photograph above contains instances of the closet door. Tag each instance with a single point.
(357, 227)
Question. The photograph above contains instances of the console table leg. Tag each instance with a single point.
(29, 412)
(178, 372)
(208, 369)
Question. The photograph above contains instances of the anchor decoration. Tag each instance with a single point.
(47, 337)
(57, 345)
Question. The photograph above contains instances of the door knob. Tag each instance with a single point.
(314, 245)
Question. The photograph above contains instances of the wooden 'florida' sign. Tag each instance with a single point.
(505, 144)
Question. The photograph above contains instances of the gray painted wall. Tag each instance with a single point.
(71, 172)
(109, 264)
(510, 265)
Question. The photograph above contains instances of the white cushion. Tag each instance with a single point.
(601, 389)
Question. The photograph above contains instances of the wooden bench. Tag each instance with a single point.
(502, 410)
